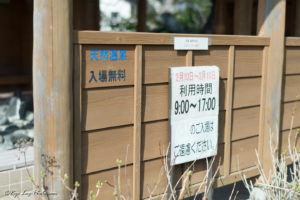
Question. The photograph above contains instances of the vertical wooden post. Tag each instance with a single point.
(52, 89)
(242, 17)
(271, 23)
(137, 131)
(142, 15)
(228, 123)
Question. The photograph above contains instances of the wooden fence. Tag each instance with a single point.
(121, 106)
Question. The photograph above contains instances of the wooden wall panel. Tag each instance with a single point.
(291, 87)
(117, 63)
(154, 139)
(89, 182)
(100, 149)
(289, 109)
(157, 60)
(245, 123)
(155, 102)
(294, 140)
(216, 55)
(108, 112)
(246, 92)
(248, 61)
(243, 153)
(107, 108)
(292, 60)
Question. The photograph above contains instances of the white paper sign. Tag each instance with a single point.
(190, 43)
(193, 112)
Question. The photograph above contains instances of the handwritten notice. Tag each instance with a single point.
(191, 43)
(193, 112)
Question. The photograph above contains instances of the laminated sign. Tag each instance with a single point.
(193, 112)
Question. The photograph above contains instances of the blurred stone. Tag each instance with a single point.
(30, 133)
(29, 116)
(13, 109)
(3, 119)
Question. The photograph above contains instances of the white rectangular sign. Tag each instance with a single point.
(193, 112)
(190, 43)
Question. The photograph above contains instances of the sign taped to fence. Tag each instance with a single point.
(193, 112)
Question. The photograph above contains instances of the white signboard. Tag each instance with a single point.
(190, 43)
(193, 112)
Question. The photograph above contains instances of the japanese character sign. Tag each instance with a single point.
(193, 112)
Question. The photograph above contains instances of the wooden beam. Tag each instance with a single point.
(53, 91)
(137, 131)
(271, 23)
(243, 17)
(228, 122)
(142, 15)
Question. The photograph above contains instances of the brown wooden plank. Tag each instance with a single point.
(137, 118)
(292, 60)
(245, 123)
(229, 104)
(155, 105)
(100, 149)
(246, 92)
(243, 154)
(294, 140)
(77, 113)
(291, 87)
(216, 55)
(263, 102)
(289, 109)
(94, 37)
(271, 23)
(112, 65)
(158, 59)
(53, 90)
(189, 58)
(292, 41)
(248, 61)
(108, 107)
(89, 182)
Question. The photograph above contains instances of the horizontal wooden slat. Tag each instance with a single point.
(243, 153)
(158, 59)
(292, 41)
(292, 60)
(100, 149)
(107, 65)
(245, 122)
(155, 103)
(248, 61)
(96, 37)
(291, 87)
(289, 109)
(215, 55)
(246, 92)
(107, 107)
